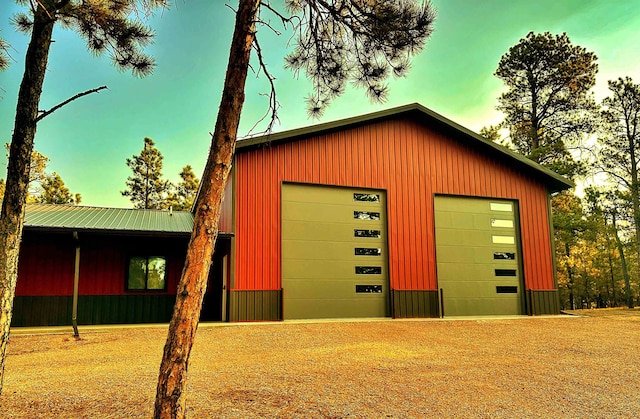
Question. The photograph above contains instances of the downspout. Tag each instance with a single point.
(76, 277)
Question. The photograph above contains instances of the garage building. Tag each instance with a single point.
(398, 213)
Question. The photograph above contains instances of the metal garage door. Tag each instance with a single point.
(334, 253)
(478, 257)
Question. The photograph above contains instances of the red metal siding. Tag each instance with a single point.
(226, 212)
(412, 163)
(47, 263)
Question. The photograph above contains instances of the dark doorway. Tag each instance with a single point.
(212, 303)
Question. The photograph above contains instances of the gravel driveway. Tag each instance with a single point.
(560, 367)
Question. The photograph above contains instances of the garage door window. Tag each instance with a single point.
(368, 251)
(368, 270)
(504, 255)
(500, 206)
(366, 215)
(371, 289)
(505, 272)
(366, 197)
(496, 222)
(367, 233)
(503, 239)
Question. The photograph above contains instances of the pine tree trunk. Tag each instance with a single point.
(13, 204)
(170, 395)
(623, 261)
(572, 304)
(614, 298)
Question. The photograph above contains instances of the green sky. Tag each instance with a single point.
(89, 140)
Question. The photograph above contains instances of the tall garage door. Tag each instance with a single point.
(478, 257)
(334, 254)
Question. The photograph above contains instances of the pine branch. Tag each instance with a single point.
(71, 99)
(273, 102)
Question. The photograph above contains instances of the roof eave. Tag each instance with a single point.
(117, 232)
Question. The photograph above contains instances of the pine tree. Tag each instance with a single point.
(55, 192)
(184, 193)
(38, 178)
(620, 151)
(107, 26)
(146, 189)
(548, 105)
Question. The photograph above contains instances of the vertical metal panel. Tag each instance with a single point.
(46, 265)
(545, 302)
(41, 311)
(92, 309)
(350, 157)
(415, 304)
(226, 212)
(254, 305)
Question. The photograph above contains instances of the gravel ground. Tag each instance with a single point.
(561, 367)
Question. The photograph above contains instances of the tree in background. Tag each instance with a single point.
(361, 41)
(37, 171)
(107, 27)
(146, 188)
(38, 167)
(55, 192)
(184, 193)
(619, 154)
(548, 105)
(491, 133)
(40, 181)
(568, 227)
(612, 209)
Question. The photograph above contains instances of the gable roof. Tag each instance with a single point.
(81, 218)
(552, 180)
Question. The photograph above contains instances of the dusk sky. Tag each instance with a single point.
(89, 139)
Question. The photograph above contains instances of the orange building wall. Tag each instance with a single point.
(226, 212)
(408, 160)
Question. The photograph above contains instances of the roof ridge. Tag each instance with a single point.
(72, 206)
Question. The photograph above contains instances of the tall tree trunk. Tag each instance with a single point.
(623, 261)
(533, 129)
(614, 298)
(170, 395)
(587, 295)
(572, 304)
(24, 131)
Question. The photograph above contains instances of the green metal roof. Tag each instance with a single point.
(554, 181)
(72, 217)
